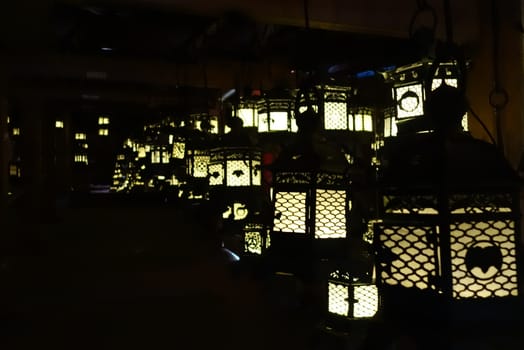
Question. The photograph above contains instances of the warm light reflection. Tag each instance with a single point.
(59, 124)
(80, 136)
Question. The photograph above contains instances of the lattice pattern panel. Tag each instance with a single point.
(293, 178)
(327, 179)
(200, 166)
(410, 204)
(290, 212)
(484, 259)
(238, 172)
(179, 150)
(366, 304)
(410, 101)
(330, 216)
(413, 262)
(338, 295)
(335, 116)
(253, 242)
(216, 172)
(480, 203)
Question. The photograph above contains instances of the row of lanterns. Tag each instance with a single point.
(447, 216)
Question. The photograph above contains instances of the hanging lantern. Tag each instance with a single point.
(410, 87)
(275, 113)
(235, 167)
(351, 298)
(449, 209)
(336, 108)
(310, 193)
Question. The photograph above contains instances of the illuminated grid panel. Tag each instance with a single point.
(366, 301)
(338, 302)
(335, 116)
(484, 241)
(253, 242)
(238, 173)
(166, 156)
(410, 101)
(290, 212)
(179, 150)
(200, 165)
(330, 218)
(415, 263)
(217, 174)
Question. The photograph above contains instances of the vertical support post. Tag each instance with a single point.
(4, 158)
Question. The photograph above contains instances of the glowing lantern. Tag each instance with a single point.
(235, 167)
(275, 113)
(351, 298)
(336, 108)
(411, 84)
(310, 192)
(256, 238)
(449, 208)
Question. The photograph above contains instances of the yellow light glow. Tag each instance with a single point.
(120, 157)
(179, 150)
(238, 173)
(13, 170)
(390, 127)
(338, 299)
(81, 158)
(16, 131)
(103, 120)
(335, 116)
(248, 116)
(330, 218)
(290, 212)
(59, 124)
(367, 301)
(80, 136)
(166, 156)
(155, 157)
(278, 121)
(217, 174)
(253, 242)
(142, 152)
(103, 132)
(263, 123)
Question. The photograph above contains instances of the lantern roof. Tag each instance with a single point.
(458, 161)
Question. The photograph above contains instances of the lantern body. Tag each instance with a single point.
(349, 298)
(335, 101)
(235, 167)
(275, 115)
(197, 162)
(450, 218)
(256, 238)
(410, 86)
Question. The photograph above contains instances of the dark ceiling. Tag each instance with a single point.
(75, 47)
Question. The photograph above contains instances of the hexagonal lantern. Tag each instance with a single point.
(450, 213)
(311, 195)
(248, 112)
(411, 84)
(351, 298)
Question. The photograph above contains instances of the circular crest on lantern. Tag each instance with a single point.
(483, 259)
